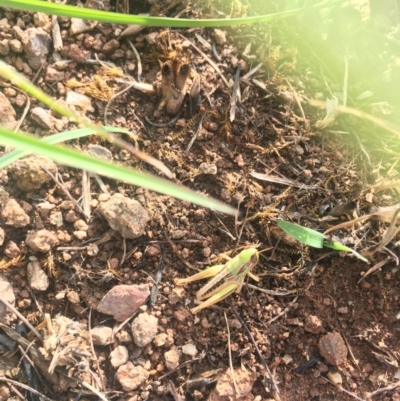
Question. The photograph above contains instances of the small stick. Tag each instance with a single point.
(173, 246)
(270, 292)
(177, 241)
(374, 268)
(25, 355)
(38, 306)
(25, 112)
(63, 63)
(181, 366)
(99, 182)
(173, 391)
(383, 389)
(195, 135)
(351, 352)
(230, 357)
(157, 280)
(275, 393)
(25, 387)
(251, 72)
(56, 32)
(63, 187)
(344, 390)
(56, 356)
(215, 53)
(284, 311)
(139, 121)
(129, 86)
(297, 99)
(226, 231)
(93, 390)
(235, 94)
(95, 378)
(23, 318)
(16, 391)
(125, 321)
(103, 387)
(86, 196)
(162, 125)
(139, 62)
(38, 73)
(203, 41)
(213, 65)
(26, 361)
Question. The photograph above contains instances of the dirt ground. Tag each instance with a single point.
(309, 171)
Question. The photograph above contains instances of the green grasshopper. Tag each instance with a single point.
(231, 273)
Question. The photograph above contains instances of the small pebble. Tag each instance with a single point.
(286, 359)
(172, 359)
(73, 297)
(144, 329)
(219, 36)
(119, 356)
(189, 349)
(313, 324)
(333, 348)
(208, 168)
(181, 315)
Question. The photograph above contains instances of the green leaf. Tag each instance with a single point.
(337, 246)
(118, 18)
(73, 158)
(303, 234)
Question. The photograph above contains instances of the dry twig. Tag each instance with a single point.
(344, 390)
(383, 390)
(103, 387)
(195, 135)
(173, 246)
(25, 387)
(230, 356)
(213, 65)
(138, 60)
(274, 390)
(235, 97)
(22, 317)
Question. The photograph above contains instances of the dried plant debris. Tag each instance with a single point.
(66, 344)
(102, 85)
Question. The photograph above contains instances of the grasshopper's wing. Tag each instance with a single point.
(214, 284)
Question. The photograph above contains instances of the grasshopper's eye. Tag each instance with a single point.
(184, 69)
(166, 69)
(254, 258)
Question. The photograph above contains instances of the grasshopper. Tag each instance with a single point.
(232, 275)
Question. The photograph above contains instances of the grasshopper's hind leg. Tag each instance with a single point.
(207, 273)
(216, 296)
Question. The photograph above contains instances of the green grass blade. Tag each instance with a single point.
(118, 18)
(73, 158)
(18, 79)
(303, 234)
(337, 246)
(16, 154)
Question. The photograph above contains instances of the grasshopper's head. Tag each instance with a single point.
(249, 258)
